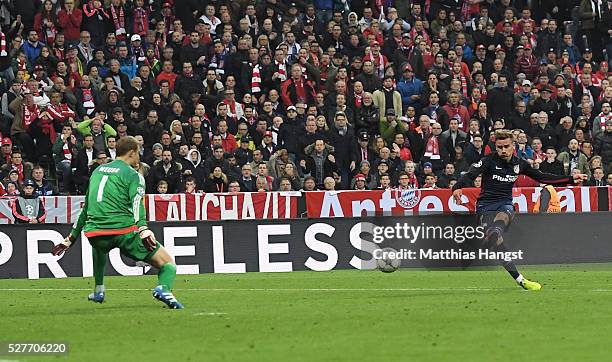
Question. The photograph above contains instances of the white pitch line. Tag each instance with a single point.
(209, 313)
(468, 289)
(262, 289)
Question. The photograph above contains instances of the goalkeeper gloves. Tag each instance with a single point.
(147, 237)
(60, 248)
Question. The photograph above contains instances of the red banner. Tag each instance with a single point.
(183, 207)
(248, 205)
(412, 202)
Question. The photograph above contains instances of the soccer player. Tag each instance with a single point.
(113, 216)
(499, 171)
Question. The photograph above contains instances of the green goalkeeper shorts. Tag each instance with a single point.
(130, 245)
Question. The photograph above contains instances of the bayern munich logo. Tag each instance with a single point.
(408, 198)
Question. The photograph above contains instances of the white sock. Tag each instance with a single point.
(99, 288)
(520, 278)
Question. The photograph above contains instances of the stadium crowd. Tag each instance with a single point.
(323, 94)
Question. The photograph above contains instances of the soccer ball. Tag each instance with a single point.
(386, 264)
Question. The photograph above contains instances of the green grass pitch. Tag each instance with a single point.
(321, 316)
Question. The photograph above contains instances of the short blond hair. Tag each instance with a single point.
(503, 134)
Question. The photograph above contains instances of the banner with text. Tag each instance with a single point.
(317, 244)
(181, 207)
(355, 203)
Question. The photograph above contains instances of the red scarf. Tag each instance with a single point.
(464, 87)
(88, 101)
(60, 112)
(256, 79)
(379, 61)
(282, 70)
(358, 99)
(3, 52)
(118, 22)
(603, 118)
(46, 126)
(67, 151)
(141, 24)
(412, 184)
(21, 65)
(414, 181)
(433, 148)
(59, 53)
(19, 169)
(30, 114)
(220, 187)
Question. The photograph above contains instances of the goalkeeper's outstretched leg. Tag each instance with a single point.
(167, 273)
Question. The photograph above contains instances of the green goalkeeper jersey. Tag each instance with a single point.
(114, 202)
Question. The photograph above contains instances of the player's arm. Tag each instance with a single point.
(74, 233)
(136, 191)
(467, 179)
(548, 178)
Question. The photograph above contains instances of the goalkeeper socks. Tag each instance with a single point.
(99, 289)
(99, 265)
(166, 276)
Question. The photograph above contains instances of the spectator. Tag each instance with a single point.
(28, 208)
(42, 187)
(544, 131)
(24, 169)
(234, 187)
(387, 92)
(572, 159)
(194, 167)
(167, 169)
(247, 181)
(499, 99)
(216, 182)
(70, 19)
(99, 130)
(65, 151)
(597, 179)
(6, 148)
(603, 144)
(551, 164)
(217, 77)
(453, 137)
(454, 109)
(475, 150)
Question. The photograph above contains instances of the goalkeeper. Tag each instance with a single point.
(113, 216)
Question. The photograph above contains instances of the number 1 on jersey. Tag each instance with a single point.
(101, 188)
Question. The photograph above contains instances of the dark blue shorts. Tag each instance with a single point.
(496, 206)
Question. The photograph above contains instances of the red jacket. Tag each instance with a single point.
(71, 23)
(170, 77)
(529, 66)
(289, 93)
(461, 111)
(229, 143)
